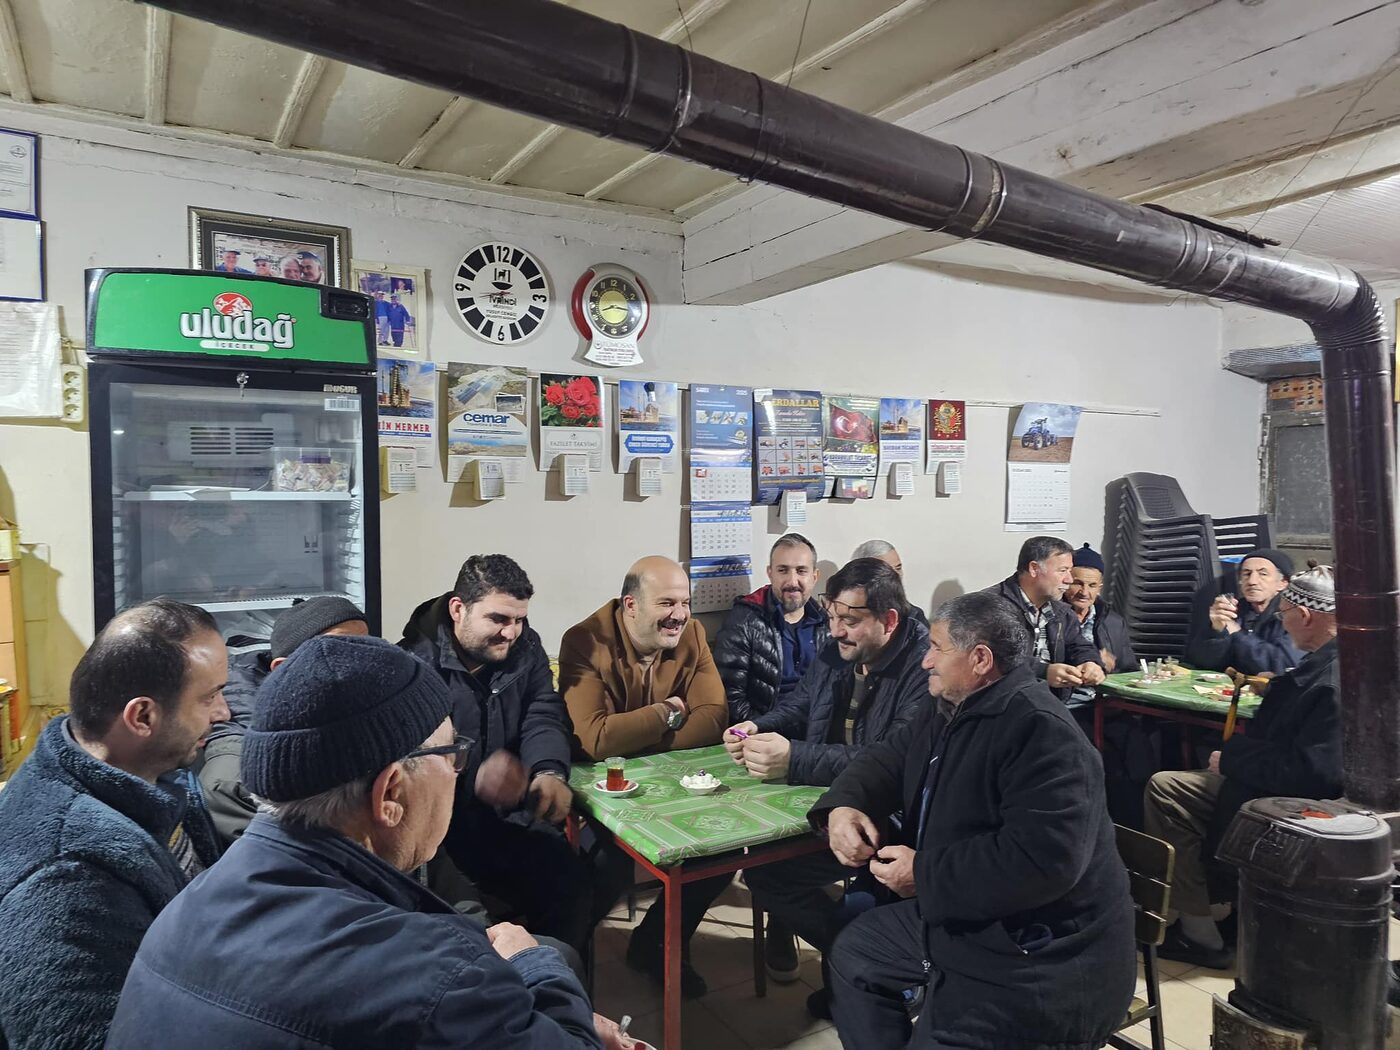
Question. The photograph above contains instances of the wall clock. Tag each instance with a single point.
(611, 309)
(501, 293)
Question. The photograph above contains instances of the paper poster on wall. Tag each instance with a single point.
(1038, 470)
(31, 359)
(571, 418)
(852, 429)
(788, 435)
(716, 582)
(408, 407)
(721, 443)
(488, 418)
(648, 423)
(901, 432)
(947, 433)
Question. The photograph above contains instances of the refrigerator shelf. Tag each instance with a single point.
(225, 496)
(282, 601)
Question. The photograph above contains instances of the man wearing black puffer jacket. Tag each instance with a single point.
(771, 636)
(477, 638)
(863, 684)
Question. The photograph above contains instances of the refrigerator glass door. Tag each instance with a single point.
(237, 501)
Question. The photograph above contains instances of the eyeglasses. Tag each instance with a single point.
(460, 751)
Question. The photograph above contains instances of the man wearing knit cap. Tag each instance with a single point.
(229, 803)
(1245, 632)
(353, 751)
(1293, 749)
(1101, 625)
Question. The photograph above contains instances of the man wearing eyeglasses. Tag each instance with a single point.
(353, 752)
(865, 681)
(478, 640)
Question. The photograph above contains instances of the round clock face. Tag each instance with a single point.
(501, 292)
(615, 306)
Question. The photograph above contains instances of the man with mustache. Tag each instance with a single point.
(1247, 632)
(770, 636)
(477, 638)
(865, 682)
(1059, 653)
(638, 677)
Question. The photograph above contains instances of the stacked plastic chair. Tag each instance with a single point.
(1164, 560)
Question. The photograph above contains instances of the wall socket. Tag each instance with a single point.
(74, 380)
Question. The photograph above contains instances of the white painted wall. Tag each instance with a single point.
(896, 330)
(1244, 327)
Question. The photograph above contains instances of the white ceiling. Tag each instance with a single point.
(108, 56)
(118, 60)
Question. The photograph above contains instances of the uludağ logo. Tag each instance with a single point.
(231, 324)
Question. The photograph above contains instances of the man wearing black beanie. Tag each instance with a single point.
(1245, 632)
(353, 751)
(230, 805)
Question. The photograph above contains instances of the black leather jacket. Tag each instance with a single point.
(749, 653)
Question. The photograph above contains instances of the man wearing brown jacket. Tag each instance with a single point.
(638, 677)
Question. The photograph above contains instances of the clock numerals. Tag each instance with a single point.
(501, 292)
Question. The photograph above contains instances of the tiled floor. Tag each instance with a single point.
(732, 1018)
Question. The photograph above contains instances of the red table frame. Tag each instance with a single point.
(1106, 702)
(694, 869)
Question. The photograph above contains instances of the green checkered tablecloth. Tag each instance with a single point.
(1178, 693)
(667, 825)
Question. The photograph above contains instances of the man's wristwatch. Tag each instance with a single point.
(674, 718)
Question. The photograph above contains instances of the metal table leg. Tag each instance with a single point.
(672, 888)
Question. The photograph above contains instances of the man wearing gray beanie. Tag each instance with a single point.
(1293, 749)
(310, 930)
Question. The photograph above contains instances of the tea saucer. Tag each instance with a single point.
(629, 788)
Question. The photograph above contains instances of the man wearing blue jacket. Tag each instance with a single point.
(311, 931)
(102, 826)
(866, 681)
(1244, 630)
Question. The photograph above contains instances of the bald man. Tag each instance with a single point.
(638, 677)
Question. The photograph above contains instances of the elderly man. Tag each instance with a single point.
(1293, 748)
(333, 942)
(1247, 635)
(866, 681)
(884, 550)
(311, 267)
(101, 827)
(771, 636)
(229, 802)
(262, 266)
(1100, 625)
(638, 677)
(478, 640)
(1017, 918)
(1059, 652)
(229, 263)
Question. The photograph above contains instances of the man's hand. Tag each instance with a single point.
(1224, 614)
(1214, 764)
(1059, 676)
(553, 798)
(501, 781)
(893, 866)
(735, 745)
(611, 1034)
(509, 939)
(1109, 660)
(852, 835)
(766, 755)
(1090, 673)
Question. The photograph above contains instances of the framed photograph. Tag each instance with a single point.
(19, 174)
(400, 295)
(228, 242)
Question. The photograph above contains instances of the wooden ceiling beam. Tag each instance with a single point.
(12, 56)
(313, 68)
(158, 25)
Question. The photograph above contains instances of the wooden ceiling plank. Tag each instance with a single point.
(313, 68)
(12, 56)
(158, 25)
(436, 131)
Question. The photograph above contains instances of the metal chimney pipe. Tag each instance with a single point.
(574, 69)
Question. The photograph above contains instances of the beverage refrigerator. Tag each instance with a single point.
(233, 443)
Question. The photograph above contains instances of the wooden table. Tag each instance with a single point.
(681, 838)
(1173, 701)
